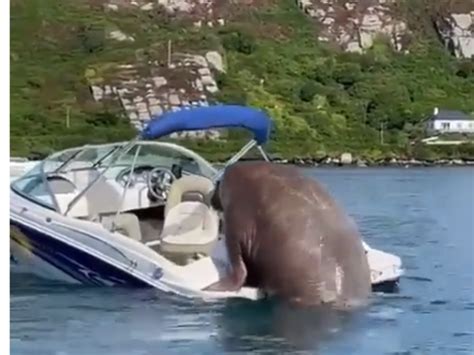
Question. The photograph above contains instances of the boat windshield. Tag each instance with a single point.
(34, 184)
(108, 159)
(166, 155)
(88, 157)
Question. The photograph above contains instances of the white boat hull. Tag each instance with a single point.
(67, 265)
(82, 258)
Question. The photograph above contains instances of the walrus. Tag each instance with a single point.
(287, 236)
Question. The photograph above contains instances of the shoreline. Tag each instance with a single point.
(361, 163)
(384, 163)
(345, 160)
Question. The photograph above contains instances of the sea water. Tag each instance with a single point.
(425, 215)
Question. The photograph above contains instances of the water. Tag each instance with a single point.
(426, 216)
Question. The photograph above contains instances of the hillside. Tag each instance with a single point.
(331, 73)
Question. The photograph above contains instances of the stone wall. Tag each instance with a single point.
(146, 90)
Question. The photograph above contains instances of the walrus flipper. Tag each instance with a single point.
(231, 282)
(238, 273)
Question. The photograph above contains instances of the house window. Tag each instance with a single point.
(445, 125)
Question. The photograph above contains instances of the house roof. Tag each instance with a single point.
(450, 115)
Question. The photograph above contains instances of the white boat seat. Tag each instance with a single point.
(190, 227)
(126, 224)
(80, 208)
(103, 197)
(188, 187)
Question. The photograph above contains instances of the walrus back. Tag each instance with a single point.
(306, 248)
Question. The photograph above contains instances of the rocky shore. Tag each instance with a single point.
(361, 163)
(346, 160)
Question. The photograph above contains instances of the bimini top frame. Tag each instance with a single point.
(193, 119)
(211, 117)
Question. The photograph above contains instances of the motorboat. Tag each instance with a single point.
(137, 213)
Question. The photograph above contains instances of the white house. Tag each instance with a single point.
(445, 121)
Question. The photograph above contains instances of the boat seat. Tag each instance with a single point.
(80, 208)
(126, 224)
(103, 198)
(188, 188)
(191, 226)
(194, 196)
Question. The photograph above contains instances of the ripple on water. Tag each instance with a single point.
(469, 306)
(418, 278)
(439, 302)
(390, 314)
(422, 309)
(463, 334)
(21, 299)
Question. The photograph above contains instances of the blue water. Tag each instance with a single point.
(426, 216)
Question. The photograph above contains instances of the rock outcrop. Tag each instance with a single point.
(120, 36)
(457, 32)
(201, 12)
(346, 158)
(354, 25)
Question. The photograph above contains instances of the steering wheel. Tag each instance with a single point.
(159, 182)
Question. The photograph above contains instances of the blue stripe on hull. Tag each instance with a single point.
(78, 264)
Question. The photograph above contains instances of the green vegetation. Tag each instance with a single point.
(324, 102)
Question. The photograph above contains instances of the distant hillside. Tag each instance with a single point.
(331, 73)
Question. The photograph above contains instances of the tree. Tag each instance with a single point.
(308, 91)
(238, 41)
(92, 38)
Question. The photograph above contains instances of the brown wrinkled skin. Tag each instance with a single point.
(286, 235)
